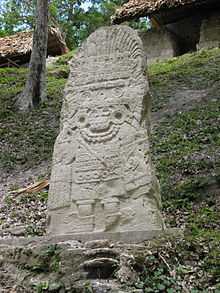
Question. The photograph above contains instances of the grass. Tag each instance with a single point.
(186, 154)
(196, 71)
(27, 139)
(188, 145)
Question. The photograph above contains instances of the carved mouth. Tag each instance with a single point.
(100, 135)
(96, 130)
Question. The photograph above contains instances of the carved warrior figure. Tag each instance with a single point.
(102, 177)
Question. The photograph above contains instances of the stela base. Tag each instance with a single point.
(131, 237)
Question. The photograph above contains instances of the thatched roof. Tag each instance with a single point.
(138, 8)
(16, 49)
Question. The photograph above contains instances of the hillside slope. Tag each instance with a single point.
(186, 152)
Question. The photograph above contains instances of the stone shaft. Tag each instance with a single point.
(102, 177)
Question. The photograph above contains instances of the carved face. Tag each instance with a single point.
(100, 123)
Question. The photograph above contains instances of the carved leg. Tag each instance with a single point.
(86, 215)
(112, 212)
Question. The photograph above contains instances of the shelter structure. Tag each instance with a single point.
(187, 25)
(16, 49)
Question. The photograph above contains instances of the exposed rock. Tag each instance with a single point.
(102, 177)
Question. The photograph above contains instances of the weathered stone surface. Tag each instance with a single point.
(102, 178)
(210, 32)
(129, 237)
(26, 269)
(96, 244)
(158, 45)
(126, 273)
(101, 267)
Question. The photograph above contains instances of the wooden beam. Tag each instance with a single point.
(13, 63)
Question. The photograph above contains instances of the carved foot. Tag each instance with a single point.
(111, 221)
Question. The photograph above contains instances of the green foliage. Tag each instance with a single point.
(48, 260)
(182, 264)
(15, 16)
(41, 287)
(189, 65)
(196, 71)
(48, 286)
(156, 277)
(185, 146)
(28, 137)
(78, 22)
(63, 60)
(186, 142)
(87, 287)
(204, 221)
(186, 153)
(76, 18)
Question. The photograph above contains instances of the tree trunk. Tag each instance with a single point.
(35, 87)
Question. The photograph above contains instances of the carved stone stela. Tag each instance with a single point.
(102, 177)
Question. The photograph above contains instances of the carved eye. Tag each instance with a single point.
(82, 119)
(118, 92)
(86, 95)
(118, 115)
